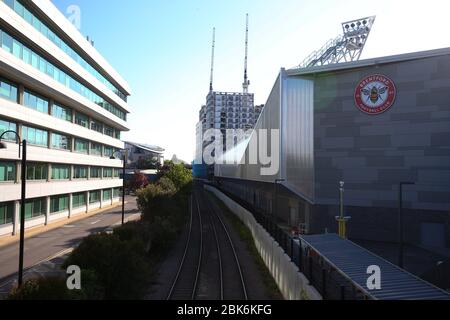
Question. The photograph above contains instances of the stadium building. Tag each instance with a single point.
(372, 124)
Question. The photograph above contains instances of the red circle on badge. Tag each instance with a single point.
(375, 94)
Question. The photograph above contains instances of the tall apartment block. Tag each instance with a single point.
(228, 110)
(62, 96)
(224, 111)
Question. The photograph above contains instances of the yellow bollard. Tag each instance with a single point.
(342, 226)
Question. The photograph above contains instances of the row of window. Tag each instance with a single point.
(34, 21)
(36, 102)
(30, 57)
(37, 207)
(40, 138)
(39, 172)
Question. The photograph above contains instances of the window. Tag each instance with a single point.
(6, 213)
(62, 112)
(109, 131)
(7, 126)
(117, 134)
(59, 203)
(60, 172)
(35, 102)
(97, 126)
(116, 192)
(18, 7)
(61, 142)
(96, 149)
(80, 172)
(37, 171)
(107, 194)
(35, 136)
(108, 151)
(35, 208)
(8, 90)
(26, 55)
(96, 173)
(34, 60)
(7, 171)
(17, 49)
(94, 196)
(116, 173)
(107, 172)
(79, 200)
(82, 120)
(81, 146)
(7, 42)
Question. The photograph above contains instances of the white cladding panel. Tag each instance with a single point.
(290, 108)
(298, 136)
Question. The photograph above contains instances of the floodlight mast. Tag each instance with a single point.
(345, 48)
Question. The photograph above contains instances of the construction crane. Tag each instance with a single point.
(345, 48)
(212, 61)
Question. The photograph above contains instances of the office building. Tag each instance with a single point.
(58, 93)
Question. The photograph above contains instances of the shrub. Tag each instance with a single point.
(135, 231)
(42, 289)
(121, 266)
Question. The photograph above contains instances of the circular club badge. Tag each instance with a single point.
(375, 94)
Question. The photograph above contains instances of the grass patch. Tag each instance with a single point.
(244, 233)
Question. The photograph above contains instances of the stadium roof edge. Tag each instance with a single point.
(368, 62)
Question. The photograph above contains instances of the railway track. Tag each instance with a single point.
(210, 268)
(234, 287)
(184, 286)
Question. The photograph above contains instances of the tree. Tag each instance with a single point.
(179, 174)
(138, 181)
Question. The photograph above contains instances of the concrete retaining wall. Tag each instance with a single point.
(291, 282)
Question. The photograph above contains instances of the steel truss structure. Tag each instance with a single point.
(345, 48)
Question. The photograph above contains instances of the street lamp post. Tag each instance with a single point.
(22, 145)
(124, 156)
(400, 223)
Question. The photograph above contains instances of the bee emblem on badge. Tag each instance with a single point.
(375, 94)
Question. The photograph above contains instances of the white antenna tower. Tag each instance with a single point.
(246, 81)
(212, 60)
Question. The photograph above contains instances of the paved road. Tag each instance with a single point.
(51, 243)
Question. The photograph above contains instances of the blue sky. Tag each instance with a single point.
(163, 48)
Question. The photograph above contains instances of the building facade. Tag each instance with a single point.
(140, 156)
(228, 110)
(223, 111)
(58, 93)
(371, 124)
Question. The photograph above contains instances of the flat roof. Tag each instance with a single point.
(369, 62)
(154, 149)
(352, 261)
